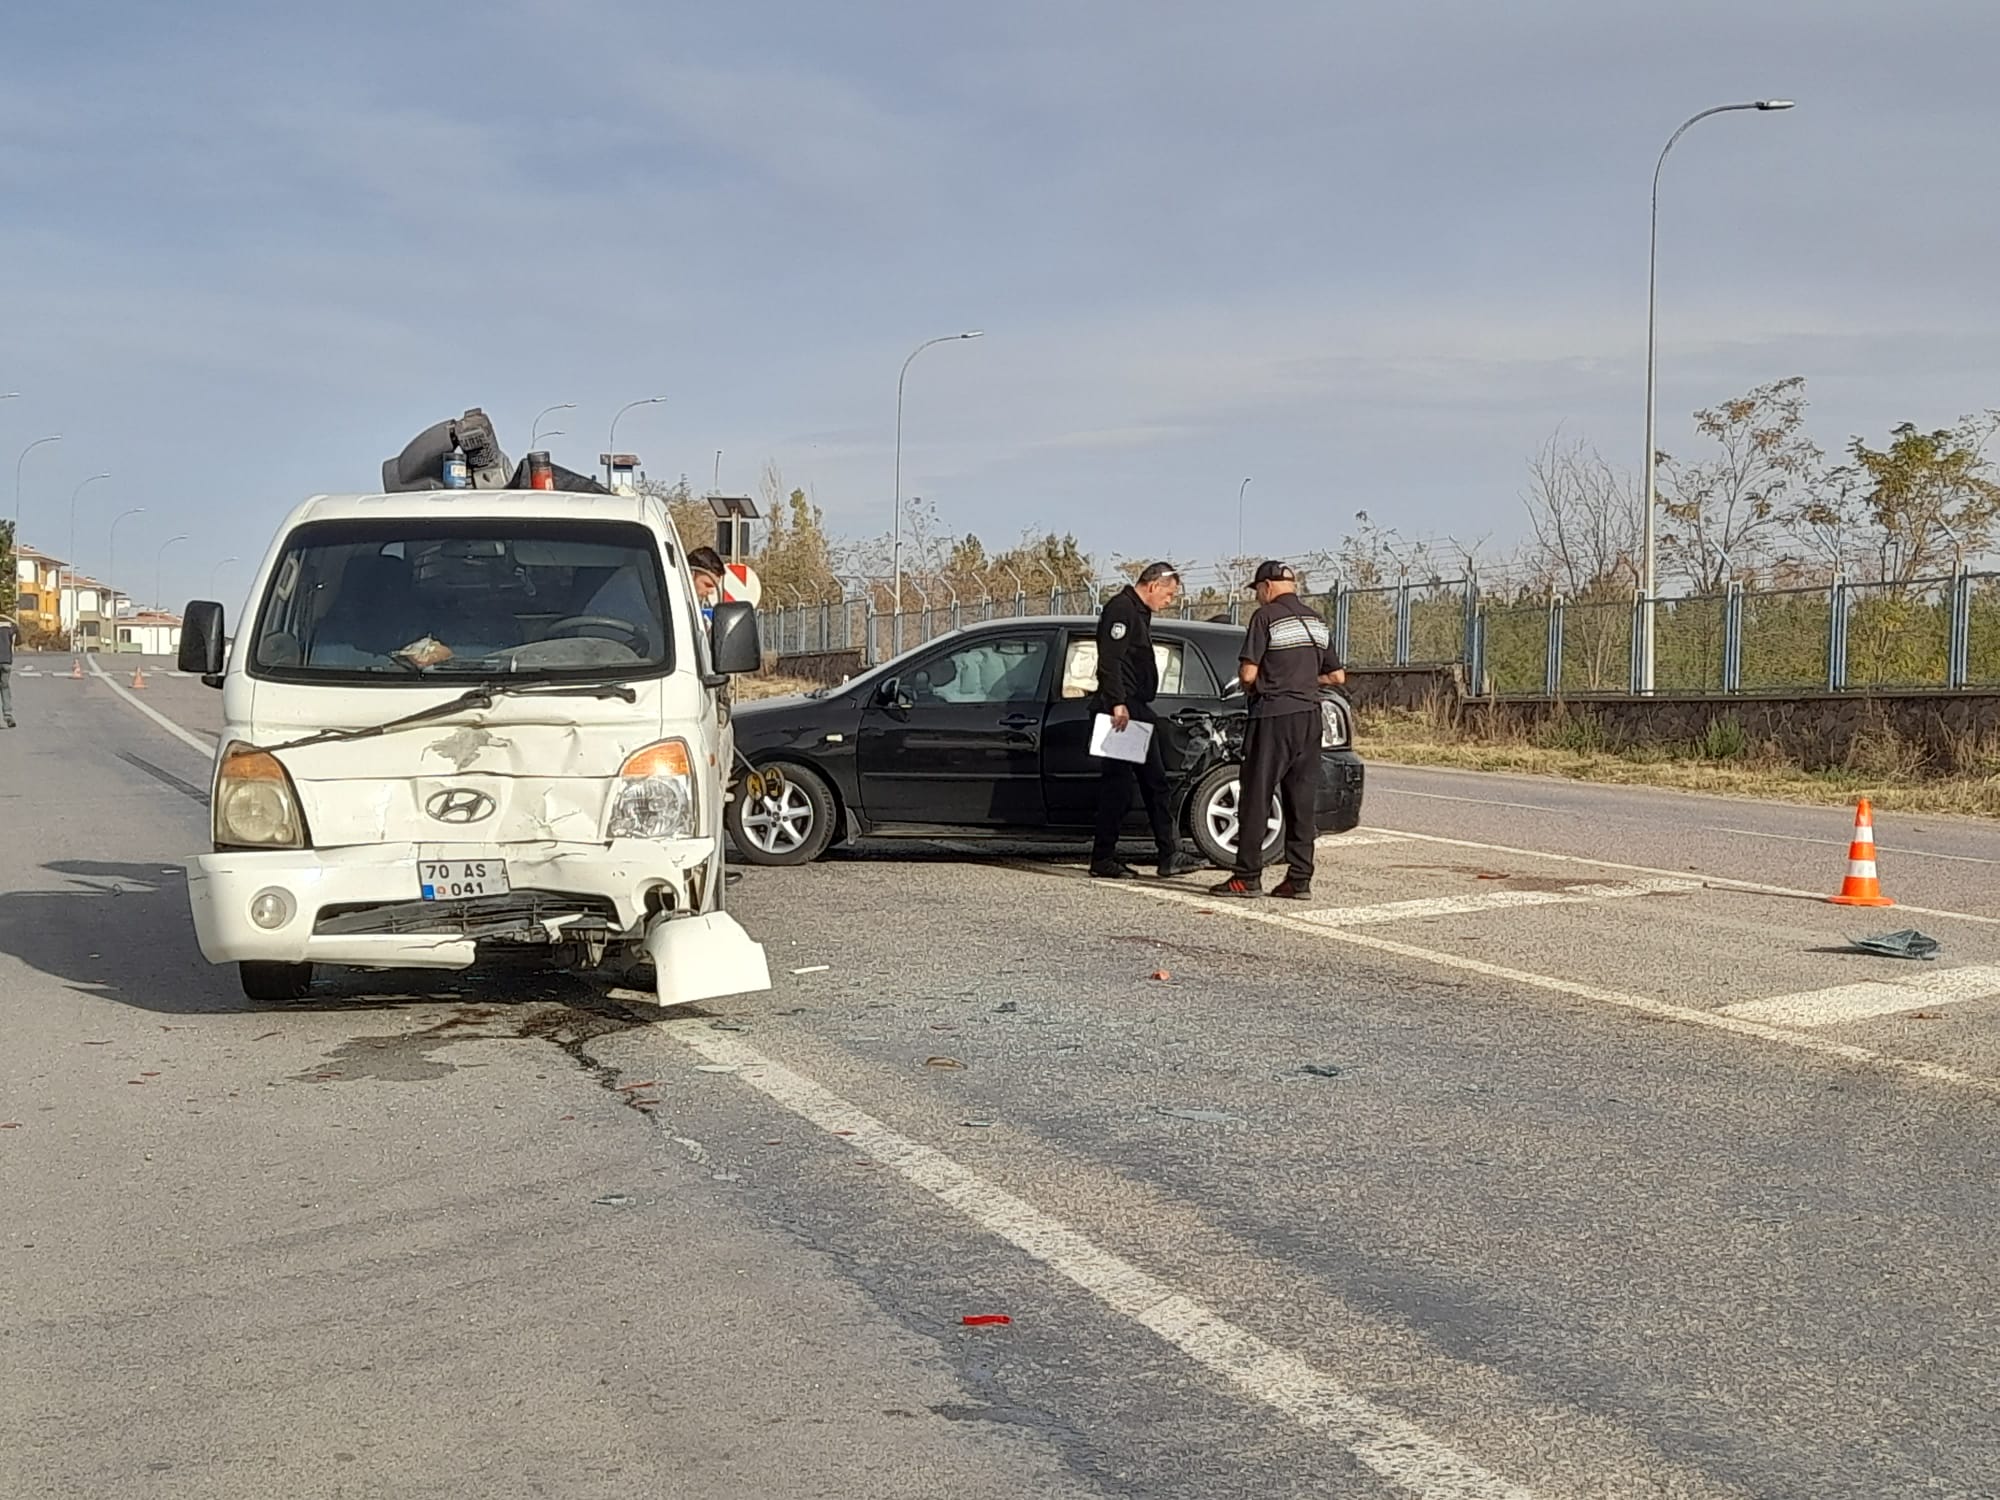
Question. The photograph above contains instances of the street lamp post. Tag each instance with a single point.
(76, 609)
(215, 574)
(52, 438)
(111, 566)
(159, 568)
(535, 427)
(612, 445)
(896, 544)
(1648, 572)
(1239, 518)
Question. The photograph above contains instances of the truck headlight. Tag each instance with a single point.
(256, 805)
(1333, 731)
(656, 795)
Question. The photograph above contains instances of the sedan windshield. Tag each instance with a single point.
(473, 598)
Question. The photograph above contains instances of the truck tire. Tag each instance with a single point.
(1212, 818)
(271, 983)
(792, 828)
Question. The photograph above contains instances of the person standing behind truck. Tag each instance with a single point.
(1288, 657)
(8, 630)
(1128, 679)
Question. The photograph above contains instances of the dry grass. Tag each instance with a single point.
(1889, 780)
(771, 685)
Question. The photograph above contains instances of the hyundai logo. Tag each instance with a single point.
(460, 804)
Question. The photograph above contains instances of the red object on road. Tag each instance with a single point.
(987, 1320)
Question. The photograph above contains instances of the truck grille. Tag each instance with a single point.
(517, 916)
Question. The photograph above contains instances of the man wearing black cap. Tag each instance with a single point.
(1128, 679)
(1288, 657)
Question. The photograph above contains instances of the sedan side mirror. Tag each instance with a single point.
(201, 650)
(732, 638)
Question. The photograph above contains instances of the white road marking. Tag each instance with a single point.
(1793, 838)
(1720, 882)
(1359, 838)
(1857, 1002)
(1665, 1010)
(1496, 900)
(204, 748)
(1386, 1442)
(1396, 791)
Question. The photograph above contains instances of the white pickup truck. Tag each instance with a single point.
(461, 724)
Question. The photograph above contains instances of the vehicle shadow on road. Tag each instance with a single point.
(121, 932)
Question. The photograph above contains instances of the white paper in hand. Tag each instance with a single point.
(1112, 743)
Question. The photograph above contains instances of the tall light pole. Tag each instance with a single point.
(612, 445)
(215, 573)
(159, 567)
(715, 484)
(896, 545)
(1239, 518)
(75, 607)
(1649, 572)
(111, 565)
(535, 427)
(52, 438)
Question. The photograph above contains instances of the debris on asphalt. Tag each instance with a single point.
(977, 1124)
(614, 1200)
(1199, 1116)
(813, 969)
(987, 1320)
(1920, 1015)
(10, 1124)
(1909, 943)
(1161, 974)
(633, 1088)
(716, 1067)
(727, 1026)
(106, 1042)
(1323, 1070)
(1006, 1008)
(942, 1062)
(264, 1038)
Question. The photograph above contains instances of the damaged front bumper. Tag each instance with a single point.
(362, 906)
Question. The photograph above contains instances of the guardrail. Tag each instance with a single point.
(1937, 634)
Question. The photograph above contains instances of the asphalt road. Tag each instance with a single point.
(1498, 1171)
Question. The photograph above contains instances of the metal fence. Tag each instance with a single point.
(1934, 633)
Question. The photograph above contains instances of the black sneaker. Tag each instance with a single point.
(1114, 871)
(1236, 885)
(1293, 890)
(1178, 864)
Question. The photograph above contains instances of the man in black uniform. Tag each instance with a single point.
(1288, 657)
(1128, 679)
(8, 630)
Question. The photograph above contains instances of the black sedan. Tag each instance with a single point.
(986, 732)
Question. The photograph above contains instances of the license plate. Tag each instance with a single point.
(461, 879)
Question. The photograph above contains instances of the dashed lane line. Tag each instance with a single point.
(1454, 906)
(1858, 1002)
(1383, 1440)
(1665, 1010)
(1718, 882)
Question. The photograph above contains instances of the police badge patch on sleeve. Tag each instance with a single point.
(1118, 632)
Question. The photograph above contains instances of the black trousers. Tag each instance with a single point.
(1114, 800)
(1280, 754)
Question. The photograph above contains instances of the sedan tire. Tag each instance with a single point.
(791, 827)
(1212, 818)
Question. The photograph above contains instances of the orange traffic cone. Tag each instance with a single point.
(138, 677)
(1861, 888)
(76, 667)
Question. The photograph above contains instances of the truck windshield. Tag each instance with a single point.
(550, 600)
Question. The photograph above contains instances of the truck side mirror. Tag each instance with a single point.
(733, 646)
(201, 641)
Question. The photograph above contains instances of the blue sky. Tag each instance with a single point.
(1370, 256)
